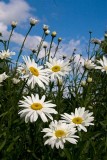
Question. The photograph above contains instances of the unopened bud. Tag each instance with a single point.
(54, 34)
(47, 32)
(59, 39)
(33, 50)
(45, 27)
(89, 80)
(33, 21)
(14, 24)
(83, 83)
(44, 46)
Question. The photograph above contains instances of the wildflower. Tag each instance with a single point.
(35, 73)
(6, 54)
(57, 68)
(58, 133)
(33, 107)
(45, 27)
(88, 64)
(54, 34)
(103, 64)
(14, 24)
(33, 21)
(15, 80)
(3, 76)
(80, 119)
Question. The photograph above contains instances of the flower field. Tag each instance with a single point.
(55, 106)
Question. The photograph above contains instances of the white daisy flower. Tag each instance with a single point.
(33, 107)
(80, 119)
(35, 74)
(103, 64)
(58, 133)
(3, 76)
(57, 68)
(89, 64)
(6, 54)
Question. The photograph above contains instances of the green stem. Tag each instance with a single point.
(50, 47)
(56, 50)
(21, 49)
(9, 38)
(41, 42)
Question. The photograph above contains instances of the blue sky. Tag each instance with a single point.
(71, 19)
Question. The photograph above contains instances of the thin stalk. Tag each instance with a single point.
(50, 47)
(21, 49)
(89, 45)
(9, 38)
(56, 49)
(41, 42)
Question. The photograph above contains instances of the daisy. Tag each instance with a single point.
(57, 68)
(88, 64)
(58, 133)
(103, 64)
(6, 54)
(33, 107)
(80, 119)
(35, 74)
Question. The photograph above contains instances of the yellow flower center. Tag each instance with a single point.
(56, 68)
(34, 71)
(36, 106)
(60, 133)
(77, 120)
(105, 67)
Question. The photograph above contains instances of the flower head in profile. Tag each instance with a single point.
(88, 64)
(6, 54)
(32, 107)
(58, 133)
(35, 74)
(103, 64)
(57, 68)
(80, 119)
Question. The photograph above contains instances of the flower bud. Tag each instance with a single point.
(83, 83)
(54, 34)
(89, 80)
(59, 39)
(33, 21)
(14, 24)
(33, 50)
(44, 46)
(47, 32)
(45, 27)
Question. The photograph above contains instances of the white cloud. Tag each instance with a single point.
(17, 10)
